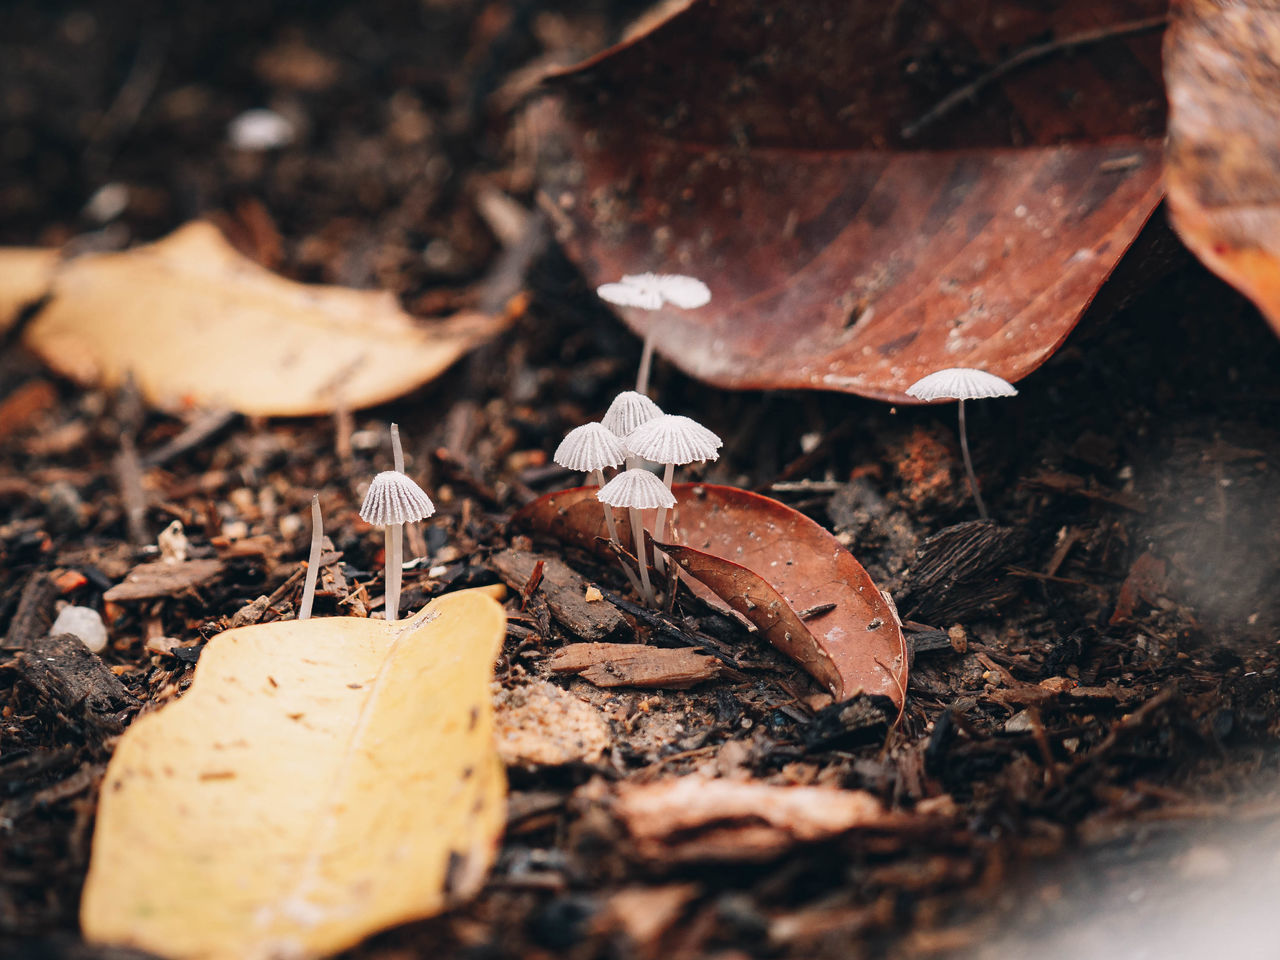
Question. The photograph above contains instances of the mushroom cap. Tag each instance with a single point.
(961, 383)
(628, 410)
(638, 489)
(394, 498)
(589, 447)
(671, 438)
(650, 291)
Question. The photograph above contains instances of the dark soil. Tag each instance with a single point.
(1148, 444)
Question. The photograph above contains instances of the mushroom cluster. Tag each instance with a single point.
(634, 431)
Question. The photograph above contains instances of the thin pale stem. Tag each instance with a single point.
(313, 560)
(660, 525)
(396, 452)
(394, 553)
(597, 476)
(637, 528)
(968, 467)
(646, 362)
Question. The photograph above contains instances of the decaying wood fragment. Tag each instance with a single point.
(692, 818)
(565, 593)
(959, 572)
(149, 580)
(634, 665)
(64, 671)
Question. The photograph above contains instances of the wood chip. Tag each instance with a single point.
(693, 818)
(163, 579)
(64, 671)
(566, 593)
(538, 723)
(634, 665)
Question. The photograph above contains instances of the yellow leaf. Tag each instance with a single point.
(322, 779)
(25, 275)
(196, 323)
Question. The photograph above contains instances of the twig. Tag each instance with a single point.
(1023, 57)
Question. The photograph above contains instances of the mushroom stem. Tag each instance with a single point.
(598, 477)
(968, 467)
(394, 560)
(396, 452)
(637, 529)
(313, 560)
(646, 362)
(660, 525)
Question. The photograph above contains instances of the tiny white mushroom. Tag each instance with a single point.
(672, 441)
(392, 501)
(652, 291)
(638, 490)
(589, 449)
(963, 383)
(629, 409)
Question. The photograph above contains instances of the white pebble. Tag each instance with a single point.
(84, 623)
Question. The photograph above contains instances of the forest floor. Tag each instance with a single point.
(1092, 685)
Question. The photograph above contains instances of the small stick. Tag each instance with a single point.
(313, 560)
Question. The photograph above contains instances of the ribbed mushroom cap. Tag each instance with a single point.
(589, 447)
(650, 291)
(636, 488)
(394, 498)
(961, 383)
(628, 410)
(673, 439)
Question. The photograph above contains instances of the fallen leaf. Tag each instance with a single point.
(693, 818)
(25, 274)
(771, 564)
(1222, 71)
(196, 323)
(322, 779)
(764, 148)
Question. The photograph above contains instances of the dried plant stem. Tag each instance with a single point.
(313, 560)
(597, 477)
(397, 453)
(637, 530)
(968, 467)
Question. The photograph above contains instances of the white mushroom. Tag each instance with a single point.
(672, 440)
(629, 410)
(589, 449)
(652, 291)
(638, 490)
(392, 501)
(963, 383)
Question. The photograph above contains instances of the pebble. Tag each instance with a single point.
(84, 623)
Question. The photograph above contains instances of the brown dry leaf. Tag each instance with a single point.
(196, 323)
(761, 147)
(1222, 70)
(161, 579)
(693, 819)
(25, 274)
(773, 565)
(322, 779)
